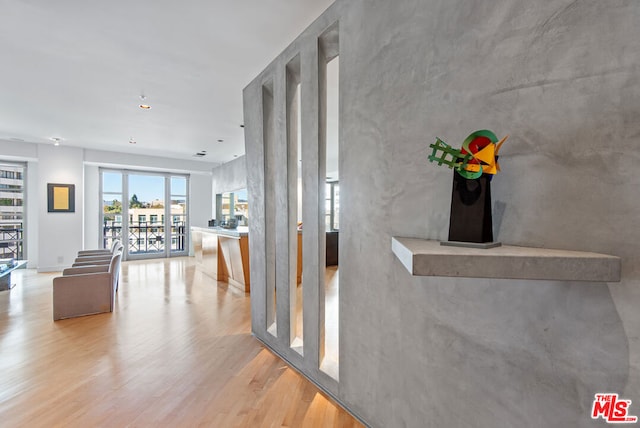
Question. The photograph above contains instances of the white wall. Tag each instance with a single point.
(59, 234)
(32, 223)
(53, 239)
(18, 151)
(200, 201)
(146, 162)
(91, 226)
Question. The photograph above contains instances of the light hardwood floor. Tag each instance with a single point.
(331, 321)
(177, 351)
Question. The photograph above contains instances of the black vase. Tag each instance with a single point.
(470, 219)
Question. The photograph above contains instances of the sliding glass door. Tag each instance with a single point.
(146, 196)
(153, 220)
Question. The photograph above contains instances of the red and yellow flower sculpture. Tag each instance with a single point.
(478, 155)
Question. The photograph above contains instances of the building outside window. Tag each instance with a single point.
(12, 210)
(155, 205)
(332, 206)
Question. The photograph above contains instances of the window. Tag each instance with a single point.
(12, 210)
(232, 206)
(332, 206)
(155, 205)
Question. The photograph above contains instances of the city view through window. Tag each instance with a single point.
(146, 222)
(11, 211)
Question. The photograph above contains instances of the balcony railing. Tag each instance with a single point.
(11, 243)
(145, 238)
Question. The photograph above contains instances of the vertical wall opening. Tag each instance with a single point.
(268, 118)
(294, 151)
(329, 102)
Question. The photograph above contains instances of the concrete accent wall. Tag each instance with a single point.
(272, 179)
(563, 79)
(228, 177)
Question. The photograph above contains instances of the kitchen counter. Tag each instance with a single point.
(223, 254)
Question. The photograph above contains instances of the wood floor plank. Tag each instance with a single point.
(177, 351)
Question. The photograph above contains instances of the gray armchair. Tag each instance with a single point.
(98, 259)
(100, 252)
(86, 290)
(92, 262)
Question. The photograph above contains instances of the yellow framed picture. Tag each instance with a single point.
(61, 198)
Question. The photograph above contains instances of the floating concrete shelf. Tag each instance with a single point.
(428, 258)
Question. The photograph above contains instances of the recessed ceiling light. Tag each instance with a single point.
(56, 140)
(221, 141)
(144, 105)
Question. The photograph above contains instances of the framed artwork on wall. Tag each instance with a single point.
(61, 198)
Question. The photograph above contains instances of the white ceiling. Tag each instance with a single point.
(76, 70)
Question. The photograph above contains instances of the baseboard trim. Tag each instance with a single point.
(49, 269)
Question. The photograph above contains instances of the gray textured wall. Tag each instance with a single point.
(230, 176)
(563, 79)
